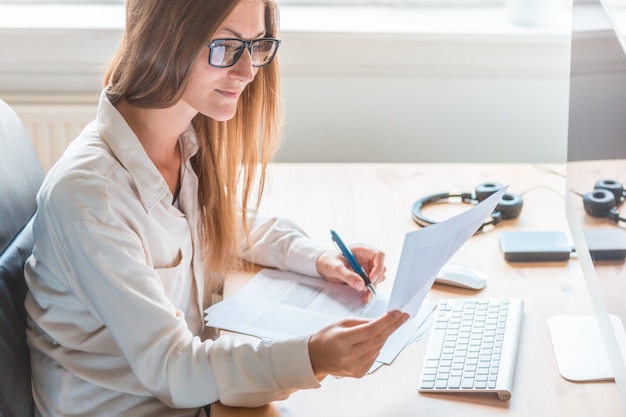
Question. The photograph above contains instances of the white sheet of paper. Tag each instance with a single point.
(277, 305)
(427, 250)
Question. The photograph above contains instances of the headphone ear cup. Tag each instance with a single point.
(485, 189)
(510, 206)
(615, 187)
(599, 203)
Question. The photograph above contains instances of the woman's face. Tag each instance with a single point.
(214, 92)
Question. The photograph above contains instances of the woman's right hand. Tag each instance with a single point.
(350, 347)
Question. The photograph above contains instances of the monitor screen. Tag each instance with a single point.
(596, 168)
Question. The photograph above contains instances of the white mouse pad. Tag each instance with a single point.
(579, 347)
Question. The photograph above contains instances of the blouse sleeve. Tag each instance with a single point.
(106, 308)
(279, 243)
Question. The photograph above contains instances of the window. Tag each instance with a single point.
(426, 3)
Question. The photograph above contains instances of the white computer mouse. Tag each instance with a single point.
(461, 276)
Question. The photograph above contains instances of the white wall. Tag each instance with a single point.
(425, 119)
(426, 85)
(387, 85)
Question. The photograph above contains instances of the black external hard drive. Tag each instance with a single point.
(535, 246)
(606, 244)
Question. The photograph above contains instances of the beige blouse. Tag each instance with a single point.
(115, 284)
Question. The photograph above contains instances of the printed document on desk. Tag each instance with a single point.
(277, 305)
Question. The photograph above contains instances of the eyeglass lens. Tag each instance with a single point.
(226, 52)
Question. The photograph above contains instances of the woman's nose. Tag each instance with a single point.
(243, 68)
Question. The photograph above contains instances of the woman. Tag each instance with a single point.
(151, 205)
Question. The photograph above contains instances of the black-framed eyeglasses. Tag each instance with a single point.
(224, 53)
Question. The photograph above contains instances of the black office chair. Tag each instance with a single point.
(20, 178)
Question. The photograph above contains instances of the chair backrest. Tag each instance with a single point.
(20, 178)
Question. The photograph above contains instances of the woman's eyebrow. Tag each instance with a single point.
(238, 35)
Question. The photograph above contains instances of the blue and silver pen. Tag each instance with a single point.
(347, 253)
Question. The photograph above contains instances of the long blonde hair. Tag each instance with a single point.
(161, 40)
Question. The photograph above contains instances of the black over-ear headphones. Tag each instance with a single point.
(509, 206)
(604, 199)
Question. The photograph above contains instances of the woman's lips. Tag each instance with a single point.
(229, 93)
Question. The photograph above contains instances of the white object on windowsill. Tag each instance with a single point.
(535, 13)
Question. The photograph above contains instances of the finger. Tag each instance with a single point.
(350, 277)
(354, 280)
(341, 272)
(352, 322)
(378, 269)
(382, 326)
(372, 260)
(377, 275)
(362, 365)
(365, 353)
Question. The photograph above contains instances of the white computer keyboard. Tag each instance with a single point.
(473, 346)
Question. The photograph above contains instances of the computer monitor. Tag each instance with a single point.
(596, 153)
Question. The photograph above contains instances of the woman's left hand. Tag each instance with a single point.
(335, 268)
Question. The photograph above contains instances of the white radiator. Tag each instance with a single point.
(52, 127)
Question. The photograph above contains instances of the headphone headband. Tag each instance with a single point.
(509, 207)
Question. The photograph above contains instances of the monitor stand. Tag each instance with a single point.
(579, 347)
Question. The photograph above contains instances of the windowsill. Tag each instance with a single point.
(61, 16)
(451, 21)
(63, 48)
(483, 21)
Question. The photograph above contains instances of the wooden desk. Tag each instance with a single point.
(372, 203)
